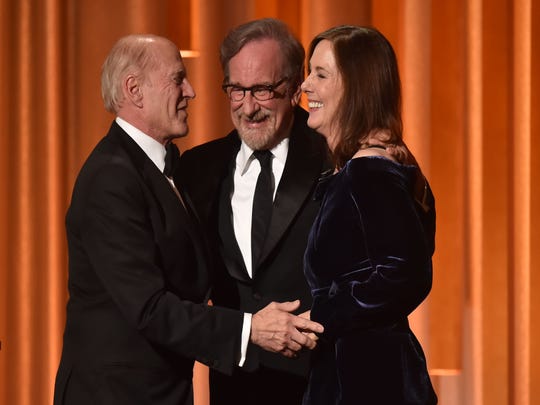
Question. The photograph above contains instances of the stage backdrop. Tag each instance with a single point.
(470, 72)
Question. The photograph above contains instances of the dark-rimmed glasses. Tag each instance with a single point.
(261, 92)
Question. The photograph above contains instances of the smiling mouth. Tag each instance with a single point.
(315, 104)
(254, 122)
(255, 119)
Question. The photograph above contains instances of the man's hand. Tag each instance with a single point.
(401, 153)
(275, 329)
(398, 152)
(311, 335)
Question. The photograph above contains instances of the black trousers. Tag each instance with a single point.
(261, 387)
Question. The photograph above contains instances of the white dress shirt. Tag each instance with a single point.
(153, 149)
(245, 179)
(246, 172)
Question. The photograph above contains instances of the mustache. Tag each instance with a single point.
(256, 116)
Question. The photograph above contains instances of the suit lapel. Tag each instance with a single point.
(230, 250)
(174, 216)
(305, 161)
(302, 169)
(155, 180)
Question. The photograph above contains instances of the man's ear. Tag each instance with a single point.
(133, 91)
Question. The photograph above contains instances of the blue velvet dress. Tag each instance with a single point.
(368, 263)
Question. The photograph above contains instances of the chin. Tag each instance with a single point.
(257, 141)
(312, 123)
(182, 130)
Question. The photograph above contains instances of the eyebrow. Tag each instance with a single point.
(317, 68)
(179, 74)
(236, 84)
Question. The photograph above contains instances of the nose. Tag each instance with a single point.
(250, 104)
(305, 85)
(187, 90)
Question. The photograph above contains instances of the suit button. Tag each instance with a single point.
(257, 296)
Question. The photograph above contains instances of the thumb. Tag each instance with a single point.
(288, 306)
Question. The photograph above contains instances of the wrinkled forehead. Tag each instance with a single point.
(259, 61)
(167, 59)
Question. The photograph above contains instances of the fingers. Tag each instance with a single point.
(275, 329)
(312, 336)
(287, 306)
(289, 353)
(304, 340)
(397, 153)
(306, 325)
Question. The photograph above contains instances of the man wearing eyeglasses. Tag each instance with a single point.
(253, 190)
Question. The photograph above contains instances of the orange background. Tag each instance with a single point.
(470, 72)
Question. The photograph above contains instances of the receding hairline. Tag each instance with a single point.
(131, 54)
(149, 38)
(153, 41)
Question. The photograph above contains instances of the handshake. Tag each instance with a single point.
(276, 329)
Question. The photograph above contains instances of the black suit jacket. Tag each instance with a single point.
(206, 173)
(138, 281)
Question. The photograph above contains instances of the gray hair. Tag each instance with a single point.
(131, 54)
(265, 28)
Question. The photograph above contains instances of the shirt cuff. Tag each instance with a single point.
(246, 331)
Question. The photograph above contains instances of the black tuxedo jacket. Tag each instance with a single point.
(138, 281)
(207, 174)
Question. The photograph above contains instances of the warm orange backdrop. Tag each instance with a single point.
(470, 72)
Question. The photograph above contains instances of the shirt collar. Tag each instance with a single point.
(153, 149)
(245, 155)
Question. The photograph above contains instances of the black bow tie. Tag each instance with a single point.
(172, 156)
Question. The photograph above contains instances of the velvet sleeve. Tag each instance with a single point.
(395, 276)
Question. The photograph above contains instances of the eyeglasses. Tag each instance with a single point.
(261, 92)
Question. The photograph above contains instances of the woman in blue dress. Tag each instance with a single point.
(368, 259)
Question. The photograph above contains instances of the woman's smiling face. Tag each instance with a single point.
(324, 90)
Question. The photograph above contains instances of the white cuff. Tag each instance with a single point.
(246, 332)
